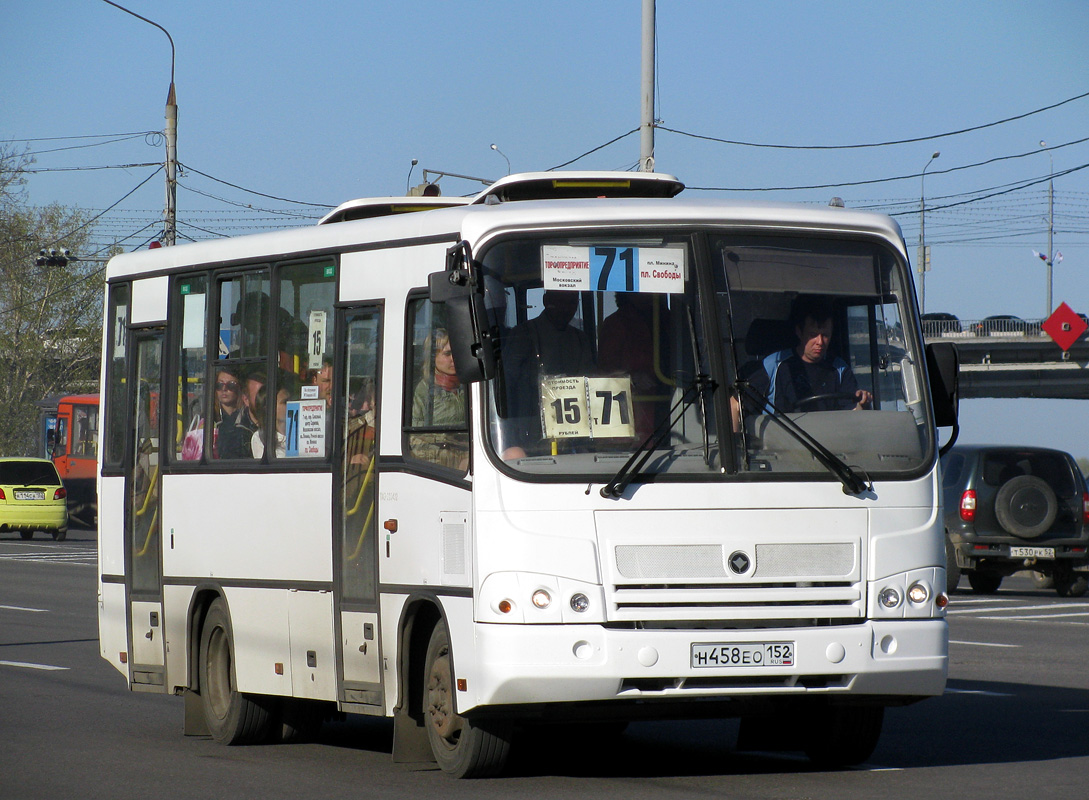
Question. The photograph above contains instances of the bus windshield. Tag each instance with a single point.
(606, 349)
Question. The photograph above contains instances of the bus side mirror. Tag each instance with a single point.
(942, 367)
(471, 342)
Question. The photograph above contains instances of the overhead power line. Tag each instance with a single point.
(872, 144)
(253, 191)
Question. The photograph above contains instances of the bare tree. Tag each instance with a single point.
(50, 306)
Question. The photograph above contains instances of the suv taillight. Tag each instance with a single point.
(1085, 508)
(968, 505)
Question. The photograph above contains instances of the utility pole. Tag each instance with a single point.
(923, 261)
(646, 122)
(170, 214)
(1049, 256)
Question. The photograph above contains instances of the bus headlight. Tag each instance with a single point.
(579, 602)
(889, 597)
(918, 594)
(541, 598)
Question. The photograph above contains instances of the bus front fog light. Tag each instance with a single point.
(579, 602)
(889, 597)
(505, 606)
(542, 599)
(918, 594)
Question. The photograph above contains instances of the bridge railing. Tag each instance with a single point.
(1004, 327)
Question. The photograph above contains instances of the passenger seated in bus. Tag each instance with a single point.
(323, 379)
(287, 388)
(808, 377)
(236, 430)
(545, 346)
(439, 401)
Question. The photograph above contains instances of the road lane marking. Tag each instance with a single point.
(21, 608)
(1041, 616)
(983, 644)
(1036, 607)
(980, 692)
(26, 665)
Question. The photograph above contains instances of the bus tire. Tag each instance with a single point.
(232, 717)
(462, 748)
(842, 736)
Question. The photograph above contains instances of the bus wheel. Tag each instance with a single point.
(462, 748)
(232, 717)
(842, 736)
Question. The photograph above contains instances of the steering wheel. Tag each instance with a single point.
(816, 398)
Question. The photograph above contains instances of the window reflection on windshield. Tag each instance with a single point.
(600, 339)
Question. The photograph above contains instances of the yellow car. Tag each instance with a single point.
(32, 498)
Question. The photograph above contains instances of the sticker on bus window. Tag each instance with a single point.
(613, 269)
(598, 408)
(316, 338)
(305, 429)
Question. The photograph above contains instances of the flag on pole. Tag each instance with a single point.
(1040, 256)
(1058, 258)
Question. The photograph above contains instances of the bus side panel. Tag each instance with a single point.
(113, 625)
(430, 547)
(259, 623)
(270, 527)
(112, 616)
(176, 601)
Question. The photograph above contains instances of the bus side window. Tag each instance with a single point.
(304, 343)
(436, 402)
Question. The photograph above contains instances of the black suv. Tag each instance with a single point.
(1014, 508)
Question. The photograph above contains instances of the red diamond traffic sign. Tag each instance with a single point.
(1064, 326)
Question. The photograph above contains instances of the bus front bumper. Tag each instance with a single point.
(546, 664)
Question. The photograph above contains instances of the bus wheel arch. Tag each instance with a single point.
(232, 717)
(419, 617)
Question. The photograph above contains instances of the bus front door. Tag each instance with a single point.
(143, 541)
(357, 547)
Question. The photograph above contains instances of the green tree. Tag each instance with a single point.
(50, 315)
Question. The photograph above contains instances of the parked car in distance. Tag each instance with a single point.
(1015, 508)
(32, 498)
(939, 323)
(1001, 325)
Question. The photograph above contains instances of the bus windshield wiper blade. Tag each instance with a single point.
(634, 465)
(853, 483)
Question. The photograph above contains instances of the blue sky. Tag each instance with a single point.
(319, 103)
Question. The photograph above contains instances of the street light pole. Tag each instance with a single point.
(1050, 225)
(170, 132)
(923, 261)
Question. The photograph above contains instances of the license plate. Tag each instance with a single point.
(1032, 552)
(29, 494)
(746, 654)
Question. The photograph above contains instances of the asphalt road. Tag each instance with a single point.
(1014, 722)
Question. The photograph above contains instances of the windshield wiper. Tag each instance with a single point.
(701, 387)
(853, 483)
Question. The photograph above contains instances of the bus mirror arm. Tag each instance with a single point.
(471, 341)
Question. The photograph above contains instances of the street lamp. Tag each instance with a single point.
(923, 260)
(170, 215)
(496, 149)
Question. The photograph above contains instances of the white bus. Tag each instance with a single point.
(533, 458)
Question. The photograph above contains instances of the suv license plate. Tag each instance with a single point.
(1032, 552)
(25, 494)
(747, 654)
